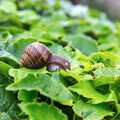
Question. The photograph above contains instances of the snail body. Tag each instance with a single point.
(58, 62)
(37, 55)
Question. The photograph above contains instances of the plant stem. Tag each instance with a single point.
(74, 116)
(115, 116)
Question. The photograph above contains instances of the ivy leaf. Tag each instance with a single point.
(105, 76)
(55, 48)
(3, 79)
(91, 111)
(28, 16)
(59, 16)
(23, 35)
(97, 14)
(12, 29)
(75, 75)
(4, 68)
(8, 102)
(49, 86)
(43, 111)
(108, 59)
(19, 74)
(82, 42)
(86, 89)
(14, 110)
(4, 36)
(115, 86)
(27, 95)
(6, 99)
(9, 59)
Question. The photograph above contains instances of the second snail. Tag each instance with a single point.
(37, 55)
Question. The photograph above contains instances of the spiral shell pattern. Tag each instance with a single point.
(35, 56)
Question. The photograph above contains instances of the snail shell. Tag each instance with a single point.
(58, 62)
(35, 56)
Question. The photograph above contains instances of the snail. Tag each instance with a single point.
(37, 55)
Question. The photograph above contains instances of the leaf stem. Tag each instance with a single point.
(115, 116)
(52, 102)
(74, 117)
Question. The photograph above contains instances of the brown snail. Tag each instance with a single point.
(37, 55)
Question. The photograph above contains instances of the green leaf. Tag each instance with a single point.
(6, 99)
(3, 79)
(12, 29)
(4, 36)
(28, 16)
(106, 76)
(82, 42)
(19, 74)
(8, 102)
(112, 97)
(110, 47)
(9, 59)
(41, 33)
(43, 111)
(55, 48)
(23, 35)
(97, 14)
(8, 6)
(86, 89)
(82, 27)
(75, 75)
(4, 68)
(27, 95)
(59, 16)
(115, 86)
(4, 116)
(14, 110)
(49, 86)
(48, 31)
(108, 59)
(91, 111)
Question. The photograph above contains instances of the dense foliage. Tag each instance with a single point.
(90, 90)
